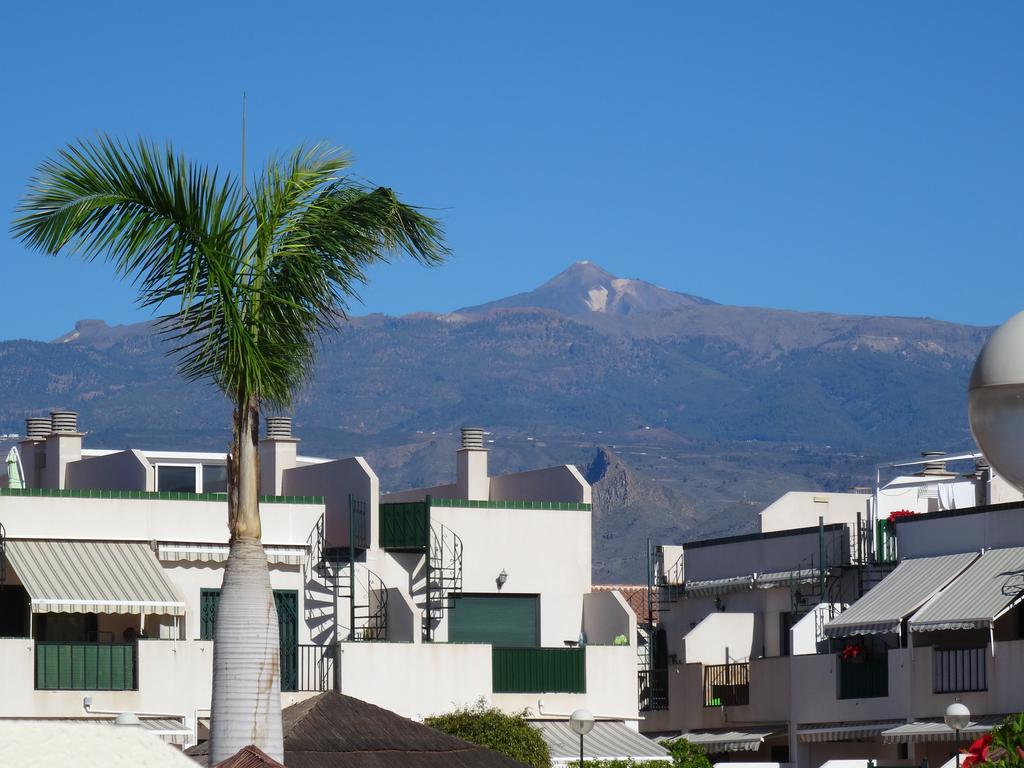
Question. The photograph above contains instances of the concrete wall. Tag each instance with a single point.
(449, 491)
(606, 615)
(799, 509)
(1005, 671)
(147, 520)
(707, 642)
(742, 556)
(563, 483)
(814, 687)
(543, 552)
(335, 480)
(122, 471)
(929, 536)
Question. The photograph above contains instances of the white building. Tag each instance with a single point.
(418, 601)
(846, 638)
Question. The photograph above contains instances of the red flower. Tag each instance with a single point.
(978, 751)
(851, 652)
(898, 514)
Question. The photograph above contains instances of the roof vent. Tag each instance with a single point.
(473, 437)
(279, 428)
(37, 429)
(63, 421)
(934, 465)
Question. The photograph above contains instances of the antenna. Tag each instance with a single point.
(244, 185)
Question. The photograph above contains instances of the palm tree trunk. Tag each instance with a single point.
(246, 703)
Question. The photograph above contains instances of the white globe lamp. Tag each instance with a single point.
(995, 400)
(581, 722)
(957, 717)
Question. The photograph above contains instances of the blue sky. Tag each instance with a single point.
(855, 158)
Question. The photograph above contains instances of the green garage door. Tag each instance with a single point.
(500, 620)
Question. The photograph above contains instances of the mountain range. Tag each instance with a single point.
(688, 415)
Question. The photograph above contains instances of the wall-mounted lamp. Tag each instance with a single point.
(502, 578)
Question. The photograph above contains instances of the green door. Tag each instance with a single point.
(505, 621)
(287, 603)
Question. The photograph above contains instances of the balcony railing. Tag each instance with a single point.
(86, 666)
(863, 677)
(652, 689)
(311, 669)
(727, 685)
(959, 670)
(539, 670)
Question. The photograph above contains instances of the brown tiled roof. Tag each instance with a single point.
(331, 730)
(250, 757)
(635, 595)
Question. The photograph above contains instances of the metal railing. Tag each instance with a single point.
(314, 669)
(863, 677)
(652, 689)
(727, 685)
(959, 670)
(83, 666)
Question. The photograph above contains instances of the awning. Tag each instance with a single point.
(867, 729)
(610, 740)
(712, 587)
(934, 729)
(218, 553)
(787, 578)
(739, 740)
(171, 730)
(92, 577)
(979, 595)
(898, 595)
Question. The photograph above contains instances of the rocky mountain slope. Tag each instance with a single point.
(689, 415)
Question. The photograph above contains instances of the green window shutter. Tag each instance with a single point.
(501, 620)
(208, 599)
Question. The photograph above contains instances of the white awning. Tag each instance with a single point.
(979, 596)
(898, 595)
(712, 587)
(92, 577)
(934, 729)
(609, 740)
(218, 553)
(737, 740)
(787, 578)
(171, 730)
(867, 729)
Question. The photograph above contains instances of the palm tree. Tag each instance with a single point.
(245, 281)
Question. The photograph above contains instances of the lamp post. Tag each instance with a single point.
(995, 400)
(582, 723)
(957, 717)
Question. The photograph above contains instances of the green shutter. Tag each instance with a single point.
(208, 599)
(506, 621)
(539, 670)
(404, 526)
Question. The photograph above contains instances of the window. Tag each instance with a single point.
(215, 478)
(176, 478)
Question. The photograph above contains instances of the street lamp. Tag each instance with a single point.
(995, 400)
(957, 717)
(581, 722)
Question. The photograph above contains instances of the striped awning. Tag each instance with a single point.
(979, 596)
(898, 595)
(723, 740)
(171, 730)
(609, 740)
(787, 578)
(218, 553)
(92, 577)
(934, 729)
(712, 587)
(867, 729)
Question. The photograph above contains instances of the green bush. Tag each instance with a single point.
(686, 755)
(510, 735)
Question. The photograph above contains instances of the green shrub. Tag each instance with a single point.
(685, 755)
(510, 735)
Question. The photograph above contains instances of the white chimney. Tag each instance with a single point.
(472, 481)
(63, 446)
(278, 452)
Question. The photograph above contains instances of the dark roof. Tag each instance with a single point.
(250, 757)
(331, 730)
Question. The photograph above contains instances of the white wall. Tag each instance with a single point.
(449, 491)
(940, 535)
(766, 553)
(800, 509)
(335, 480)
(564, 483)
(707, 642)
(545, 552)
(122, 471)
(606, 615)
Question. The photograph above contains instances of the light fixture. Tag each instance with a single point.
(502, 578)
(995, 400)
(957, 717)
(581, 722)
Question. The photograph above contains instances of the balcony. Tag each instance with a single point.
(652, 689)
(727, 685)
(863, 677)
(959, 670)
(86, 666)
(539, 670)
(310, 669)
